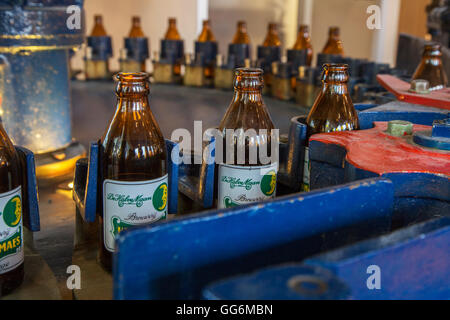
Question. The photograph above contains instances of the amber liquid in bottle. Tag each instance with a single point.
(134, 165)
(98, 30)
(431, 67)
(272, 39)
(247, 179)
(334, 43)
(11, 222)
(304, 43)
(241, 35)
(333, 109)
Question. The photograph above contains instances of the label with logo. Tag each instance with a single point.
(11, 230)
(306, 171)
(239, 185)
(132, 203)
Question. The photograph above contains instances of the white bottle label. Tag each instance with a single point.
(11, 230)
(131, 203)
(239, 185)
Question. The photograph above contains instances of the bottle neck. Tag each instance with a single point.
(247, 96)
(132, 104)
(172, 32)
(432, 60)
(335, 88)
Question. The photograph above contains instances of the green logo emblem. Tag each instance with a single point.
(11, 245)
(160, 197)
(229, 203)
(12, 213)
(118, 226)
(268, 183)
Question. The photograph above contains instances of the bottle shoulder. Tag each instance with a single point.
(138, 138)
(247, 116)
(332, 113)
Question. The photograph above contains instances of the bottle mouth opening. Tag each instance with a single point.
(248, 79)
(335, 67)
(130, 77)
(249, 72)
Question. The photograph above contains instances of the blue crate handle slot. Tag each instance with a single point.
(292, 156)
(173, 154)
(30, 203)
(86, 186)
(176, 258)
(199, 188)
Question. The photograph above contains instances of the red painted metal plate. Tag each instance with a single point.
(437, 99)
(376, 151)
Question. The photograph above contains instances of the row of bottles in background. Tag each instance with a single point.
(333, 45)
(431, 69)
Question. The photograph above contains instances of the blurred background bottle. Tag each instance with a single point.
(207, 36)
(334, 43)
(134, 165)
(431, 68)
(303, 42)
(98, 51)
(332, 111)
(172, 34)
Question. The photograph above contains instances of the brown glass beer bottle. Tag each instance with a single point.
(334, 43)
(333, 109)
(431, 67)
(207, 36)
(303, 42)
(134, 165)
(247, 178)
(172, 34)
(11, 221)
